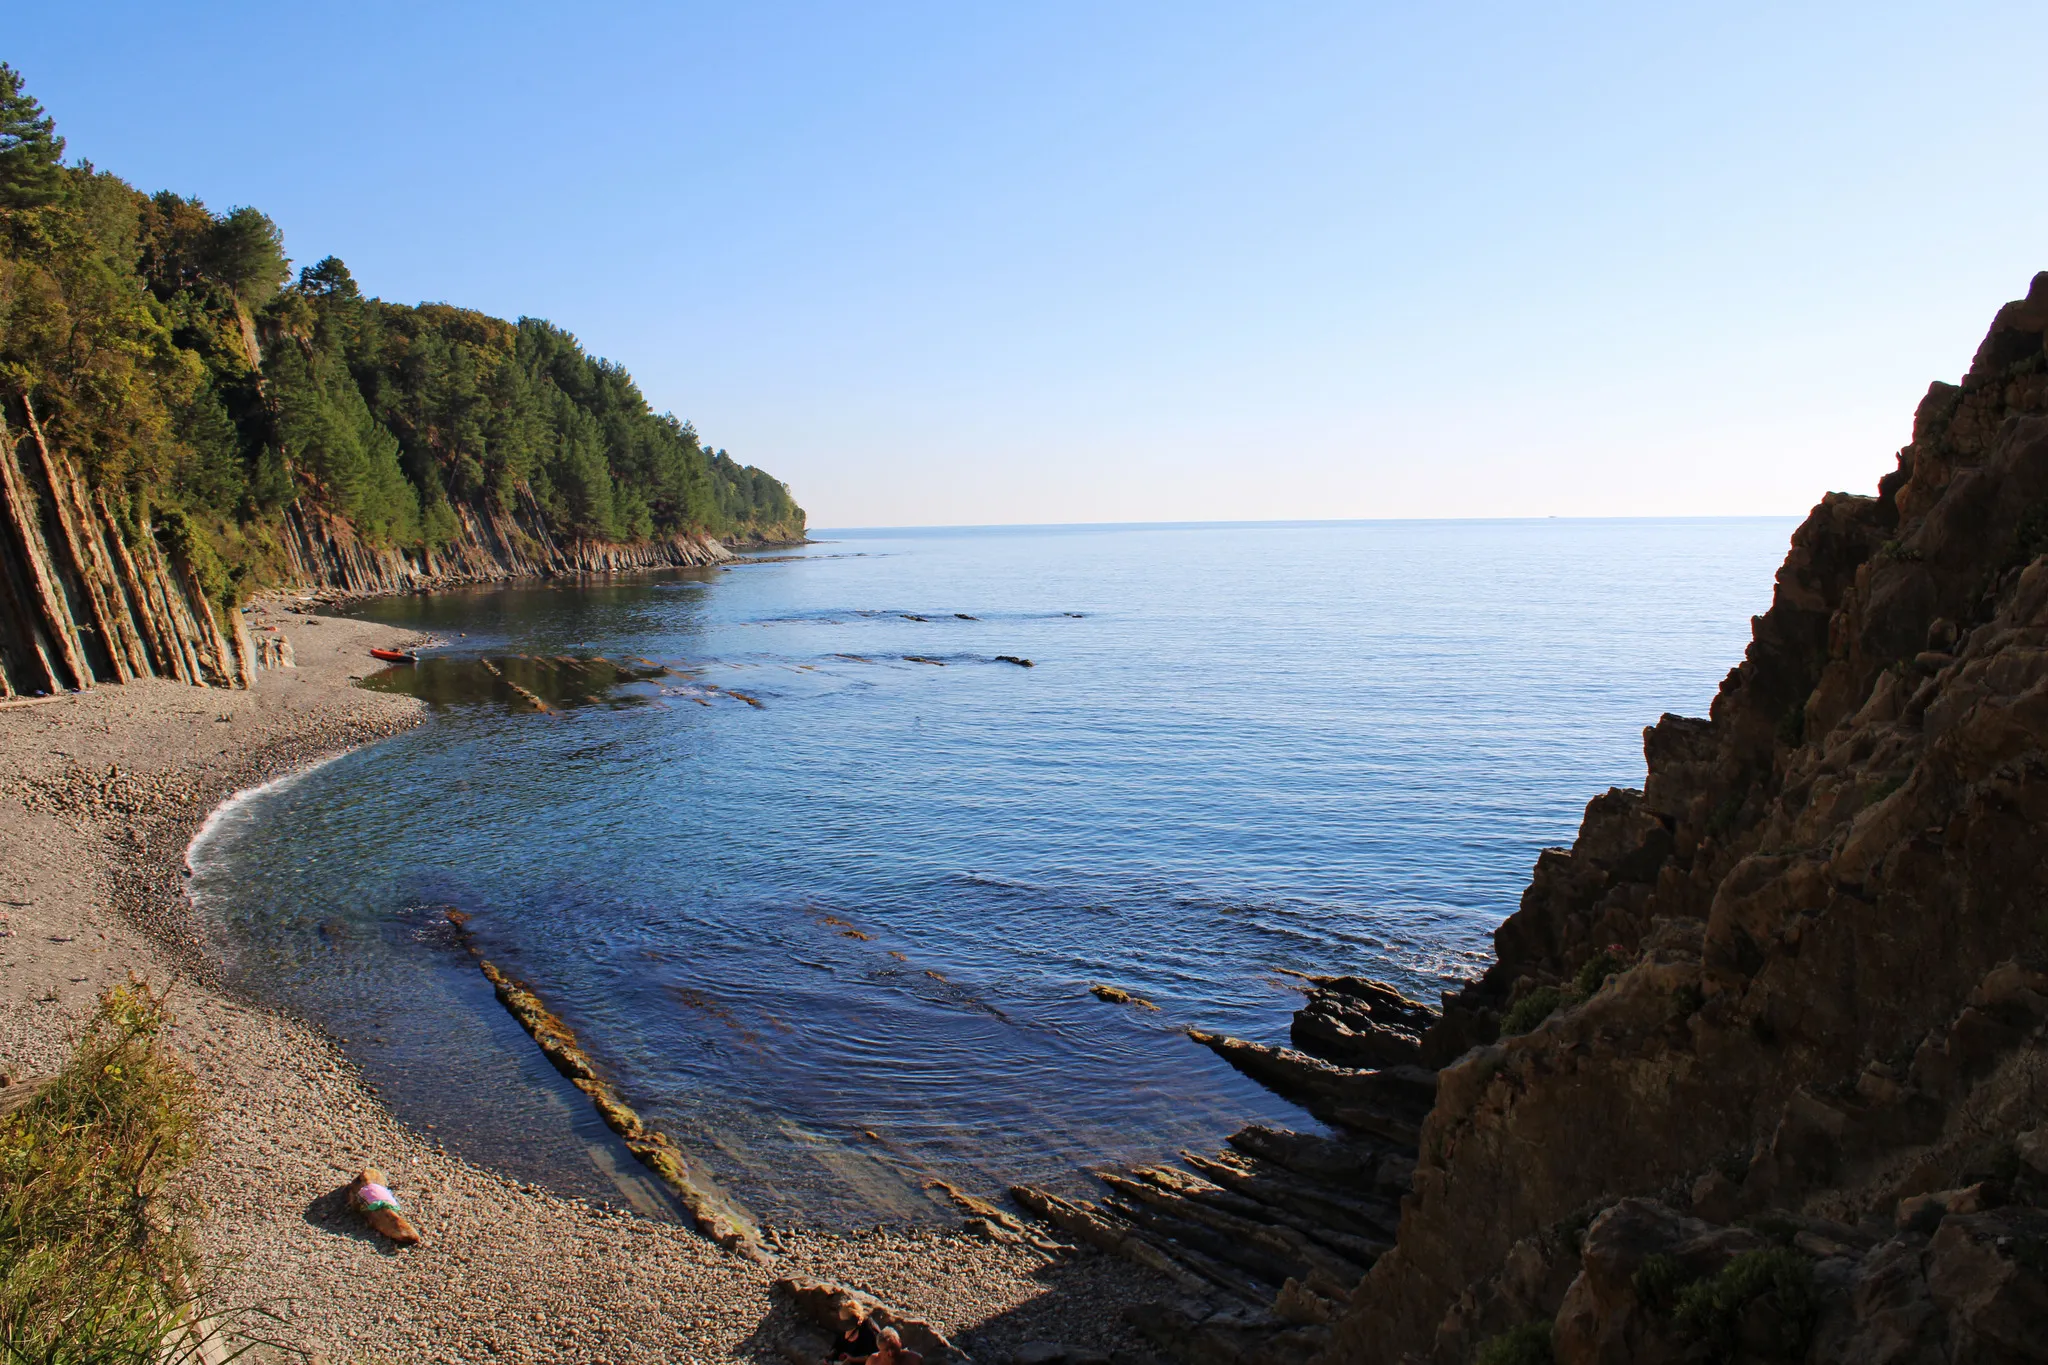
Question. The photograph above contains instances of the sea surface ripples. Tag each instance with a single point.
(822, 881)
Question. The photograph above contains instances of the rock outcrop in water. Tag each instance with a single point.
(1774, 1084)
(1268, 1240)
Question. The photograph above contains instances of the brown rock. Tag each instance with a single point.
(827, 1306)
(1985, 1271)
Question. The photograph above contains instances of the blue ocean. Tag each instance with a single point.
(821, 855)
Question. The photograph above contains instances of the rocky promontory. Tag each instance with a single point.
(1761, 1071)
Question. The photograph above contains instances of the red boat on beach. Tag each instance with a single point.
(394, 656)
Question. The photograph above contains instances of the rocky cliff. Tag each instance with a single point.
(325, 552)
(83, 603)
(1761, 1072)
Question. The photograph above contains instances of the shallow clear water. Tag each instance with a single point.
(829, 915)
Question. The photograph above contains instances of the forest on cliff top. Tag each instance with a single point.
(169, 349)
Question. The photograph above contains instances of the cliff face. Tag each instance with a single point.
(326, 552)
(79, 605)
(1828, 914)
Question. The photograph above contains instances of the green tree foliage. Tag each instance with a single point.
(31, 153)
(158, 343)
(327, 434)
(245, 252)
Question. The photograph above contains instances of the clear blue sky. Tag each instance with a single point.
(964, 263)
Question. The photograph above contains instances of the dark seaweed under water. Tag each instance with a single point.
(823, 881)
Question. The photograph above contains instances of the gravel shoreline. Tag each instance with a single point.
(100, 794)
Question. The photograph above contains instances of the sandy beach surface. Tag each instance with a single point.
(100, 794)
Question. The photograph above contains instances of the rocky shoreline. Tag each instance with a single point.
(101, 791)
(1761, 1070)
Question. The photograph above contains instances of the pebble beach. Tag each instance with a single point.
(101, 792)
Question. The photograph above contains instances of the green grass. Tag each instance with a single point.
(97, 1257)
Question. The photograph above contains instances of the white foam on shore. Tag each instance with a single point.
(234, 803)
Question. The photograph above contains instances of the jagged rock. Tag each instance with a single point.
(1085, 1223)
(1988, 1272)
(490, 544)
(1318, 1158)
(826, 1305)
(1356, 1022)
(1330, 1208)
(1716, 1198)
(83, 602)
(1259, 1245)
(1329, 1026)
(716, 1217)
(274, 651)
(1324, 1223)
(2032, 1148)
(1302, 1306)
(1387, 1102)
(1923, 1212)
(992, 1222)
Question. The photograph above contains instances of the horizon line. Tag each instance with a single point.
(1281, 523)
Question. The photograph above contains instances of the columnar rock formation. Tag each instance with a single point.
(81, 603)
(1775, 1085)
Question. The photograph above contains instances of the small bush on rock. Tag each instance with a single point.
(1762, 1302)
(1539, 1004)
(1594, 971)
(1531, 1010)
(1658, 1282)
(1528, 1344)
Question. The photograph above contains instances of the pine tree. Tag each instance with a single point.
(245, 252)
(31, 153)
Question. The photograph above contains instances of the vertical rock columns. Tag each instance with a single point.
(79, 605)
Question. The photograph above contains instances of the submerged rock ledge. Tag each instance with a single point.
(716, 1218)
(1774, 1079)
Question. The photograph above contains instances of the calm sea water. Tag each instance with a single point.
(826, 897)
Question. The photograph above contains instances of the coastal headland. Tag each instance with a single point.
(103, 790)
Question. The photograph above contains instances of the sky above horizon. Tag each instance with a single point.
(950, 265)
